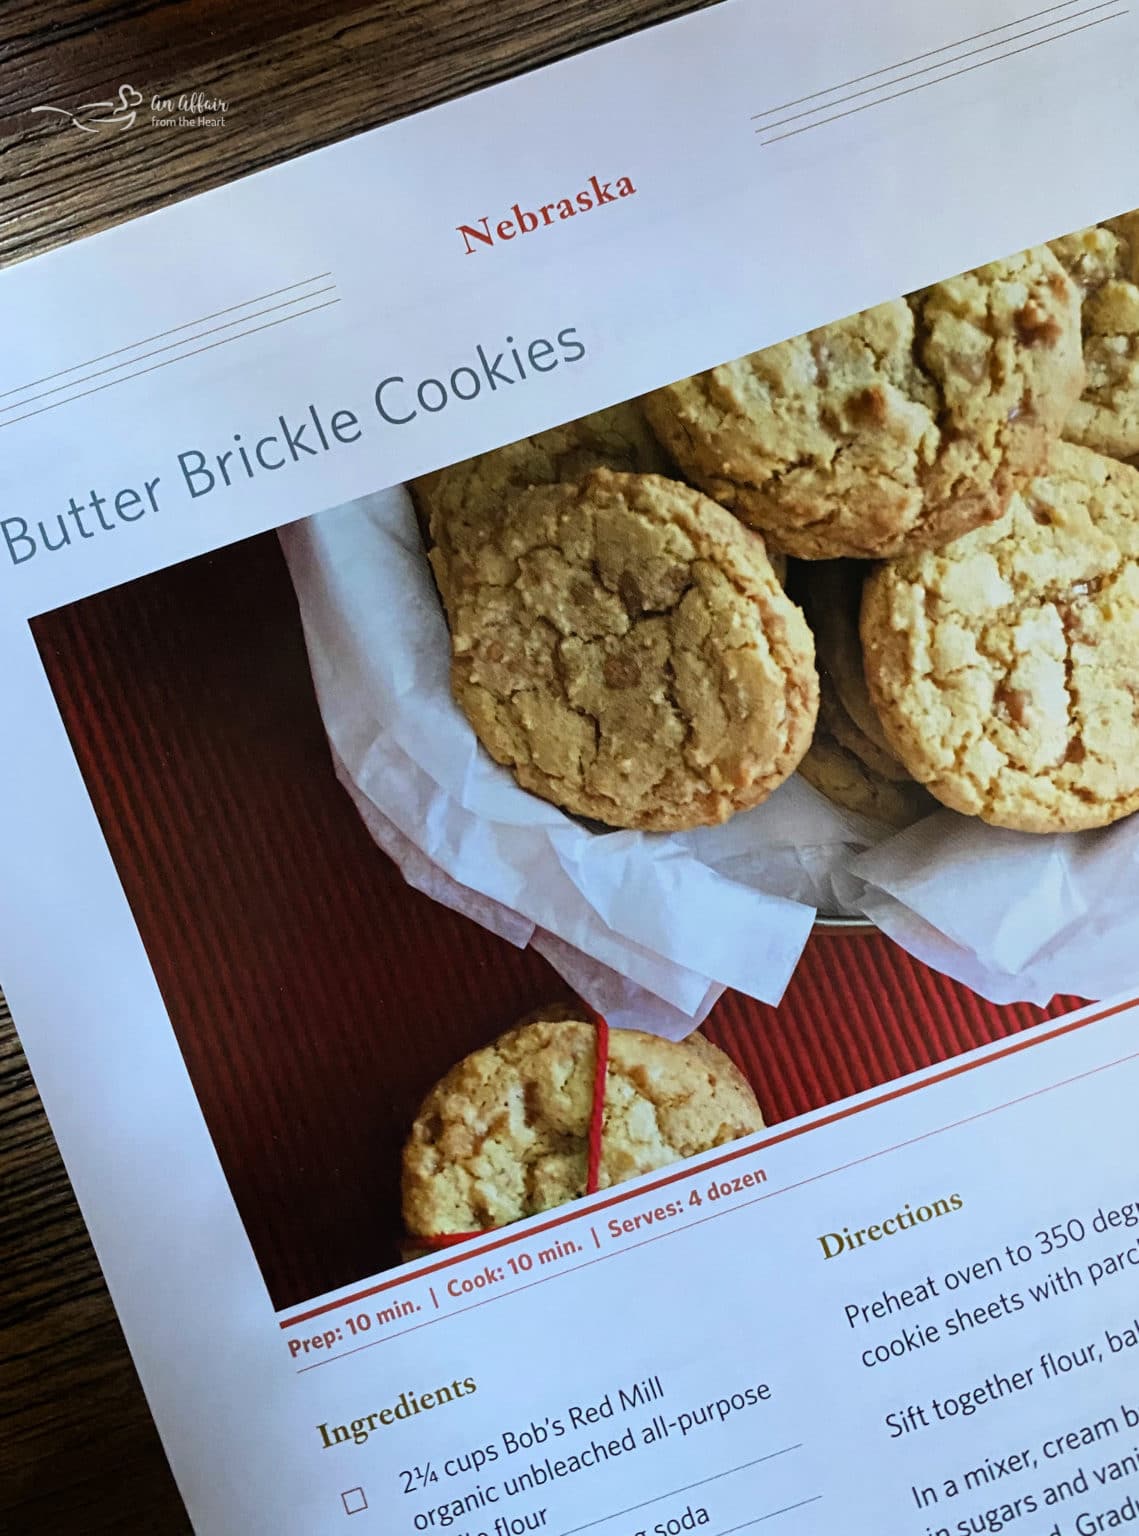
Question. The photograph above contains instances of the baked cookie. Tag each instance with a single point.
(837, 724)
(505, 1133)
(830, 592)
(1104, 261)
(846, 781)
(622, 645)
(1005, 670)
(457, 504)
(898, 428)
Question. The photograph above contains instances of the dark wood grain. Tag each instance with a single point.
(78, 1452)
(296, 76)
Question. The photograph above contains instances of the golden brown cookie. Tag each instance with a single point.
(830, 592)
(1104, 261)
(1005, 670)
(838, 725)
(899, 428)
(846, 781)
(505, 1133)
(457, 504)
(623, 646)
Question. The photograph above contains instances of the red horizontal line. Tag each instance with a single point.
(576, 1210)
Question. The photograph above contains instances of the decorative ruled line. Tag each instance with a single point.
(169, 347)
(939, 72)
(1049, 26)
(185, 347)
(917, 57)
(158, 336)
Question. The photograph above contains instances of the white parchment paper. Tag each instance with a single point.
(651, 927)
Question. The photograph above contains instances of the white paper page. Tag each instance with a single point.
(780, 172)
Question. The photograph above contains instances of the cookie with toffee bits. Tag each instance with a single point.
(457, 505)
(1104, 261)
(1005, 669)
(623, 646)
(505, 1133)
(899, 428)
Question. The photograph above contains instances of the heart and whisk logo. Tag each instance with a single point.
(119, 113)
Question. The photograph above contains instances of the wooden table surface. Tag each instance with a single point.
(79, 1452)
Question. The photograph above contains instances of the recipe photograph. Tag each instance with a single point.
(594, 802)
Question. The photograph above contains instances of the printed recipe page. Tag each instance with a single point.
(587, 758)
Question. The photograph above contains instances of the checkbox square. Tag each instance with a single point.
(354, 1501)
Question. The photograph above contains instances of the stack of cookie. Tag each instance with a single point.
(850, 760)
(948, 472)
